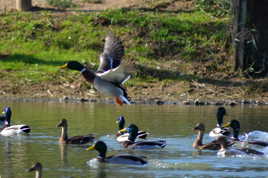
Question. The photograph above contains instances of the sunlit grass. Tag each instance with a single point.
(37, 43)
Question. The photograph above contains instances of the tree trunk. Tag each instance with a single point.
(23, 5)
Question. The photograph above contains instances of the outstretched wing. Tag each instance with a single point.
(112, 53)
(117, 75)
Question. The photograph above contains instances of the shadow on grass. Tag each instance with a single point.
(28, 59)
(144, 71)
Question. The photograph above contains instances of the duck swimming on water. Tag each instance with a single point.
(111, 74)
(198, 142)
(123, 136)
(75, 139)
(132, 144)
(226, 151)
(37, 167)
(11, 130)
(101, 147)
(219, 130)
(235, 125)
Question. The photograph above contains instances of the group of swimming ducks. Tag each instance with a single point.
(227, 141)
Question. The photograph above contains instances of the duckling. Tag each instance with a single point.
(101, 147)
(197, 144)
(73, 140)
(11, 130)
(219, 130)
(110, 75)
(121, 137)
(235, 125)
(133, 133)
(224, 151)
(37, 167)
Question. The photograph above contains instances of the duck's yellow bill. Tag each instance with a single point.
(227, 125)
(63, 66)
(91, 148)
(123, 130)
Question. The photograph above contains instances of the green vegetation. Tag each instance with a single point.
(215, 7)
(61, 4)
(161, 44)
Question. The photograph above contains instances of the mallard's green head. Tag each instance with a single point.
(73, 65)
(200, 126)
(235, 125)
(62, 123)
(36, 167)
(133, 132)
(7, 113)
(220, 114)
(101, 147)
(121, 122)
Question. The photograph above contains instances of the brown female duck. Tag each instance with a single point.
(198, 142)
(73, 140)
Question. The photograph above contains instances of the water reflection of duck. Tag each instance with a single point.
(235, 125)
(198, 142)
(11, 130)
(219, 130)
(123, 136)
(110, 75)
(75, 139)
(133, 133)
(101, 147)
(226, 151)
(37, 167)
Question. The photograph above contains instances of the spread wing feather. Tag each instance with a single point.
(112, 53)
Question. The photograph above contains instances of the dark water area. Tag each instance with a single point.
(174, 123)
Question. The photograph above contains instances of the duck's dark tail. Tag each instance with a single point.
(125, 96)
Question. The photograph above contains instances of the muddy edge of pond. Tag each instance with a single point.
(150, 101)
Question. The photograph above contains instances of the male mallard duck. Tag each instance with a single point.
(121, 137)
(200, 128)
(235, 125)
(133, 133)
(37, 167)
(110, 75)
(225, 151)
(11, 130)
(219, 130)
(101, 147)
(73, 140)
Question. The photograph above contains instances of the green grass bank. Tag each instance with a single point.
(176, 54)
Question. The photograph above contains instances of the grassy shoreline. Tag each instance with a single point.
(176, 55)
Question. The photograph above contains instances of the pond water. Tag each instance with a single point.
(170, 122)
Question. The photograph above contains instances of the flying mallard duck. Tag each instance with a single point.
(235, 125)
(73, 140)
(197, 144)
(123, 136)
(110, 76)
(133, 133)
(11, 130)
(219, 130)
(37, 167)
(101, 147)
(226, 151)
